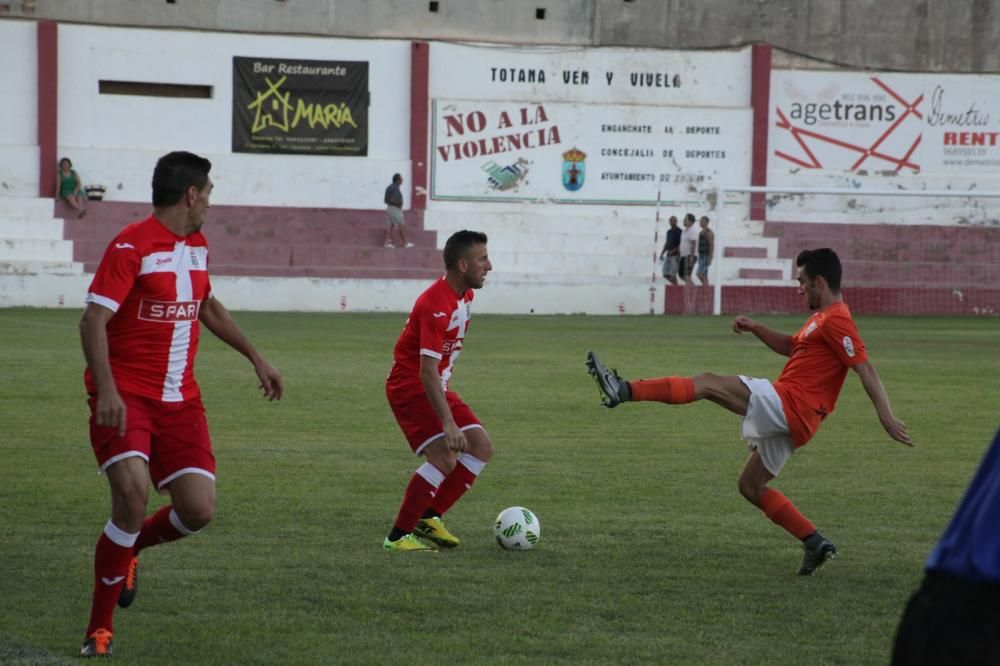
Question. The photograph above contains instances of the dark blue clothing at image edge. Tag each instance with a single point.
(674, 238)
(393, 196)
(970, 548)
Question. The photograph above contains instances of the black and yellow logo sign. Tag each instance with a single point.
(300, 106)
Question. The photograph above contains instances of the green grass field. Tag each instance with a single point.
(648, 553)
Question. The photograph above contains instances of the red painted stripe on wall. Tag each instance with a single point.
(48, 106)
(419, 91)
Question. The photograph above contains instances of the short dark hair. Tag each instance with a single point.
(458, 245)
(689, 216)
(396, 178)
(822, 262)
(174, 173)
(67, 160)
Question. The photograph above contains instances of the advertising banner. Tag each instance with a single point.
(585, 153)
(888, 124)
(591, 75)
(313, 107)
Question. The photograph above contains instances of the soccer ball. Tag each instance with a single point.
(517, 528)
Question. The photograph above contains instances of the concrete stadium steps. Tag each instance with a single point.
(569, 279)
(386, 272)
(936, 301)
(744, 252)
(35, 249)
(538, 249)
(572, 264)
(40, 228)
(954, 274)
(31, 267)
(279, 242)
(894, 243)
(31, 239)
(26, 207)
(905, 255)
(515, 223)
(639, 247)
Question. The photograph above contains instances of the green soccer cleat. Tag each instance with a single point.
(614, 389)
(98, 644)
(131, 585)
(433, 529)
(409, 542)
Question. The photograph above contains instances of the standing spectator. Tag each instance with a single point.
(706, 248)
(69, 188)
(671, 254)
(394, 212)
(689, 255)
(434, 420)
(145, 307)
(954, 618)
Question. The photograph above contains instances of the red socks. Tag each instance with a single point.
(418, 496)
(111, 558)
(672, 390)
(782, 512)
(159, 528)
(457, 483)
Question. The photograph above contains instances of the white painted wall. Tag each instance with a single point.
(19, 109)
(114, 140)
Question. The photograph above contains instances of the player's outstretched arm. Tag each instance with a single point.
(110, 409)
(217, 319)
(777, 342)
(876, 392)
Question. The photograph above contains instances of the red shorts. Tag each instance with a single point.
(420, 423)
(171, 437)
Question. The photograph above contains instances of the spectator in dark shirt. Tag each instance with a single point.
(672, 251)
(394, 212)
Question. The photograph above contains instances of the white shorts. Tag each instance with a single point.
(764, 427)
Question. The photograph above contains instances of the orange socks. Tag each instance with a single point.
(782, 512)
(672, 390)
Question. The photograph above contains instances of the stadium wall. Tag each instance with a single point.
(910, 35)
(517, 141)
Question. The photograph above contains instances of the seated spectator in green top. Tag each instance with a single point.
(69, 187)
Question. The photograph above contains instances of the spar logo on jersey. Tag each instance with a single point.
(168, 312)
(849, 346)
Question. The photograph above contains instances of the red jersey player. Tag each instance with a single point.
(435, 421)
(780, 417)
(140, 333)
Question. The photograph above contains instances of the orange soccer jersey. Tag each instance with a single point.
(822, 351)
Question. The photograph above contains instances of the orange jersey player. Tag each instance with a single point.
(781, 416)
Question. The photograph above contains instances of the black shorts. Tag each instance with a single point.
(950, 621)
(687, 265)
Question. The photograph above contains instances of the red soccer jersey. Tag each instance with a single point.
(822, 351)
(155, 282)
(436, 328)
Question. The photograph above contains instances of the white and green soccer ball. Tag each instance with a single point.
(517, 528)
